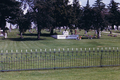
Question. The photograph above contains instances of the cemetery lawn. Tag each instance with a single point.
(106, 73)
(46, 42)
(13, 42)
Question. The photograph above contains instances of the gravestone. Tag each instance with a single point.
(65, 32)
(5, 35)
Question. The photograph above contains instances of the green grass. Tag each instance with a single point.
(46, 42)
(106, 73)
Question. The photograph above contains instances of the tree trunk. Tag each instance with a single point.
(39, 32)
(71, 31)
(75, 32)
(21, 35)
(110, 32)
(51, 31)
(117, 27)
(112, 27)
(3, 23)
(98, 36)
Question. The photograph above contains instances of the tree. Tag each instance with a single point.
(23, 22)
(66, 14)
(57, 14)
(76, 11)
(62, 13)
(9, 10)
(41, 11)
(43, 15)
(87, 17)
(114, 14)
(99, 17)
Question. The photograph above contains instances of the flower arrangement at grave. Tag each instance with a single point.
(91, 36)
(80, 37)
(94, 36)
(115, 35)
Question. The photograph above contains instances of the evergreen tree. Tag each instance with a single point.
(67, 16)
(114, 14)
(87, 17)
(43, 15)
(76, 12)
(99, 17)
(58, 12)
(24, 23)
(62, 13)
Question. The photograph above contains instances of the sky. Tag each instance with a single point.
(83, 2)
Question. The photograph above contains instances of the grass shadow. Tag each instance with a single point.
(24, 39)
(84, 37)
(46, 35)
(29, 34)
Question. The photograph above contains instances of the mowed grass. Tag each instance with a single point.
(46, 42)
(106, 73)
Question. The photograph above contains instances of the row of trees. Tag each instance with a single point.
(57, 13)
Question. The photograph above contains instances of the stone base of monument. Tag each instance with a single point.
(5, 35)
(1, 33)
(65, 36)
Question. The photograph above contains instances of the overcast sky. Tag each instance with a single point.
(83, 2)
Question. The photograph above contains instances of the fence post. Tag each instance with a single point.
(72, 58)
(50, 58)
(45, 59)
(41, 58)
(54, 59)
(1, 62)
(101, 57)
(118, 57)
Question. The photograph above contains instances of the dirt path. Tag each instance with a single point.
(109, 32)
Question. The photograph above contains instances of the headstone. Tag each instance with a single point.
(65, 32)
(119, 28)
(100, 33)
(85, 32)
(5, 35)
(10, 28)
(115, 27)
